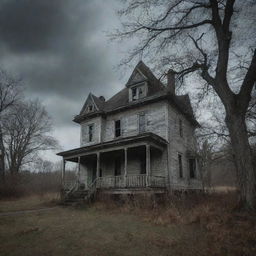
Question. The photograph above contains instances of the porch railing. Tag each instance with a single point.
(131, 181)
(136, 180)
(157, 181)
(111, 182)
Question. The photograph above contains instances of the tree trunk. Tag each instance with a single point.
(243, 159)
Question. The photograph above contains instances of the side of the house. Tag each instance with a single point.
(182, 148)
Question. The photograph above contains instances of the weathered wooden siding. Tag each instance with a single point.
(155, 114)
(84, 133)
(158, 163)
(180, 145)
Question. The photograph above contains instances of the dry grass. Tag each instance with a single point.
(184, 225)
(29, 202)
(229, 232)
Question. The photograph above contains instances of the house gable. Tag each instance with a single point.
(89, 106)
(137, 84)
(136, 77)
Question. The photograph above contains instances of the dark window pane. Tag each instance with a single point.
(134, 93)
(180, 166)
(90, 132)
(117, 128)
(192, 168)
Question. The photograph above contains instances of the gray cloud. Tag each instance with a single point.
(60, 50)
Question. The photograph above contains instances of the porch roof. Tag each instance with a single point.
(116, 144)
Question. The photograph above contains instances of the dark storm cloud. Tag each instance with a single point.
(31, 25)
(59, 49)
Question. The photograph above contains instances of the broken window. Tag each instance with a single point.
(134, 94)
(89, 108)
(138, 92)
(117, 128)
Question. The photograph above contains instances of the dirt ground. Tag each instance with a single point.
(109, 229)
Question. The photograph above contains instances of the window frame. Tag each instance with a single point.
(134, 96)
(90, 132)
(118, 131)
(138, 91)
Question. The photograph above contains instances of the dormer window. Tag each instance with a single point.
(89, 108)
(138, 91)
(134, 93)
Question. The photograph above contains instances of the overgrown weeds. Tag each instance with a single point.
(232, 232)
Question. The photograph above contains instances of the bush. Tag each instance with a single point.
(27, 183)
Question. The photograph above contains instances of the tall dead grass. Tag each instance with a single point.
(230, 232)
(27, 184)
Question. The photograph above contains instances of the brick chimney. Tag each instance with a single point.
(102, 98)
(171, 81)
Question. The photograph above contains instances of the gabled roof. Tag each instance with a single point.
(156, 91)
(95, 101)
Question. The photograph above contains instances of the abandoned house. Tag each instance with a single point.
(141, 139)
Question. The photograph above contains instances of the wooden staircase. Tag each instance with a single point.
(79, 195)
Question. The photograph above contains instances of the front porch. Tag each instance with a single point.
(127, 164)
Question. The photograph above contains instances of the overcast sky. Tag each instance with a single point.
(61, 50)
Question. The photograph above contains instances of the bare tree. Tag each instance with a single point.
(26, 132)
(41, 165)
(9, 95)
(213, 39)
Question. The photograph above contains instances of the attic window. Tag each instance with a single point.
(90, 108)
(134, 93)
(138, 92)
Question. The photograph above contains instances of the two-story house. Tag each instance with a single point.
(142, 138)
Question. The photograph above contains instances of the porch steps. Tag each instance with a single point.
(75, 197)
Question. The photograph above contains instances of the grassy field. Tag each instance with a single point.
(29, 202)
(105, 229)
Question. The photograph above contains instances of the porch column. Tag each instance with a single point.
(148, 171)
(125, 167)
(63, 171)
(98, 165)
